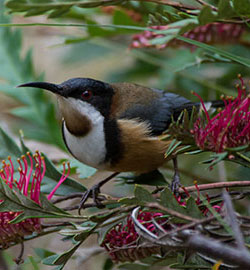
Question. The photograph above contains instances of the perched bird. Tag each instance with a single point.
(115, 126)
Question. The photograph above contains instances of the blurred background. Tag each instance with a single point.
(55, 54)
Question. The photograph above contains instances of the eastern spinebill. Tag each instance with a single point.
(116, 126)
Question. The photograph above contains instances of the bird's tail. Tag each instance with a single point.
(210, 106)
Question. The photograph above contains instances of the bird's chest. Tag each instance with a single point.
(89, 149)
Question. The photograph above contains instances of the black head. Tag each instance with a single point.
(97, 93)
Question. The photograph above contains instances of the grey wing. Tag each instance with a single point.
(160, 111)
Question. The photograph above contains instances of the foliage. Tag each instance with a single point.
(172, 45)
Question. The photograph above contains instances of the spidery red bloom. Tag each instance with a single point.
(213, 33)
(123, 243)
(229, 128)
(31, 172)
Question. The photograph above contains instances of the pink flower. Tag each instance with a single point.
(29, 183)
(212, 33)
(123, 243)
(229, 128)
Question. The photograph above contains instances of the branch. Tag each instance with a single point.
(170, 3)
(216, 185)
(233, 221)
(217, 250)
(171, 212)
(203, 3)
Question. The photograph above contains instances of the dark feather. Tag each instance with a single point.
(158, 114)
(160, 111)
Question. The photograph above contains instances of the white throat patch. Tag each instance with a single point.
(89, 149)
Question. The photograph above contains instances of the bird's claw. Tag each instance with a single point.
(175, 184)
(93, 192)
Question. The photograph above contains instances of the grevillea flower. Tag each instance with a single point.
(213, 33)
(122, 241)
(229, 128)
(31, 172)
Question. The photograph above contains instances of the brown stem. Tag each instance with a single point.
(218, 250)
(171, 212)
(19, 259)
(233, 220)
(203, 3)
(170, 3)
(216, 185)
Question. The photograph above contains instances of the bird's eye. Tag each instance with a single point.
(87, 94)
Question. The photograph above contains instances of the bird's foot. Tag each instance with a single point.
(93, 193)
(175, 184)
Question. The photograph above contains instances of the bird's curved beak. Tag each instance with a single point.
(54, 88)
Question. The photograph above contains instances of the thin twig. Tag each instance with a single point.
(170, 3)
(67, 197)
(216, 185)
(233, 221)
(171, 212)
(203, 3)
(57, 224)
(36, 236)
(217, 250)
(19, 259)
(189, 226)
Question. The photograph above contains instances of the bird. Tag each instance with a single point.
(116, 126)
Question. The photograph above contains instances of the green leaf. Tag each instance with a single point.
(143, 195)
(192, 209)
(129, 201)
(121, 18)
(174, 144)
(108, 264)
(15, 201)
(83, 170)
(154, 178)
(43, 253)
(225, 9)
(233, 57)
(64, 257)
(242, 7)
(206, 15)
(238, 148)
(49, 260)
(52, 176)
(58, 12)
(8, 147)
(168, 200)
(133, 266)
(33, 262)
(108, 225)
(37, 109)
(43, 6)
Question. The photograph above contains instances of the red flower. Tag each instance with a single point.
(29, 183)
(229, 128)
(123, 243)
(213, 33)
